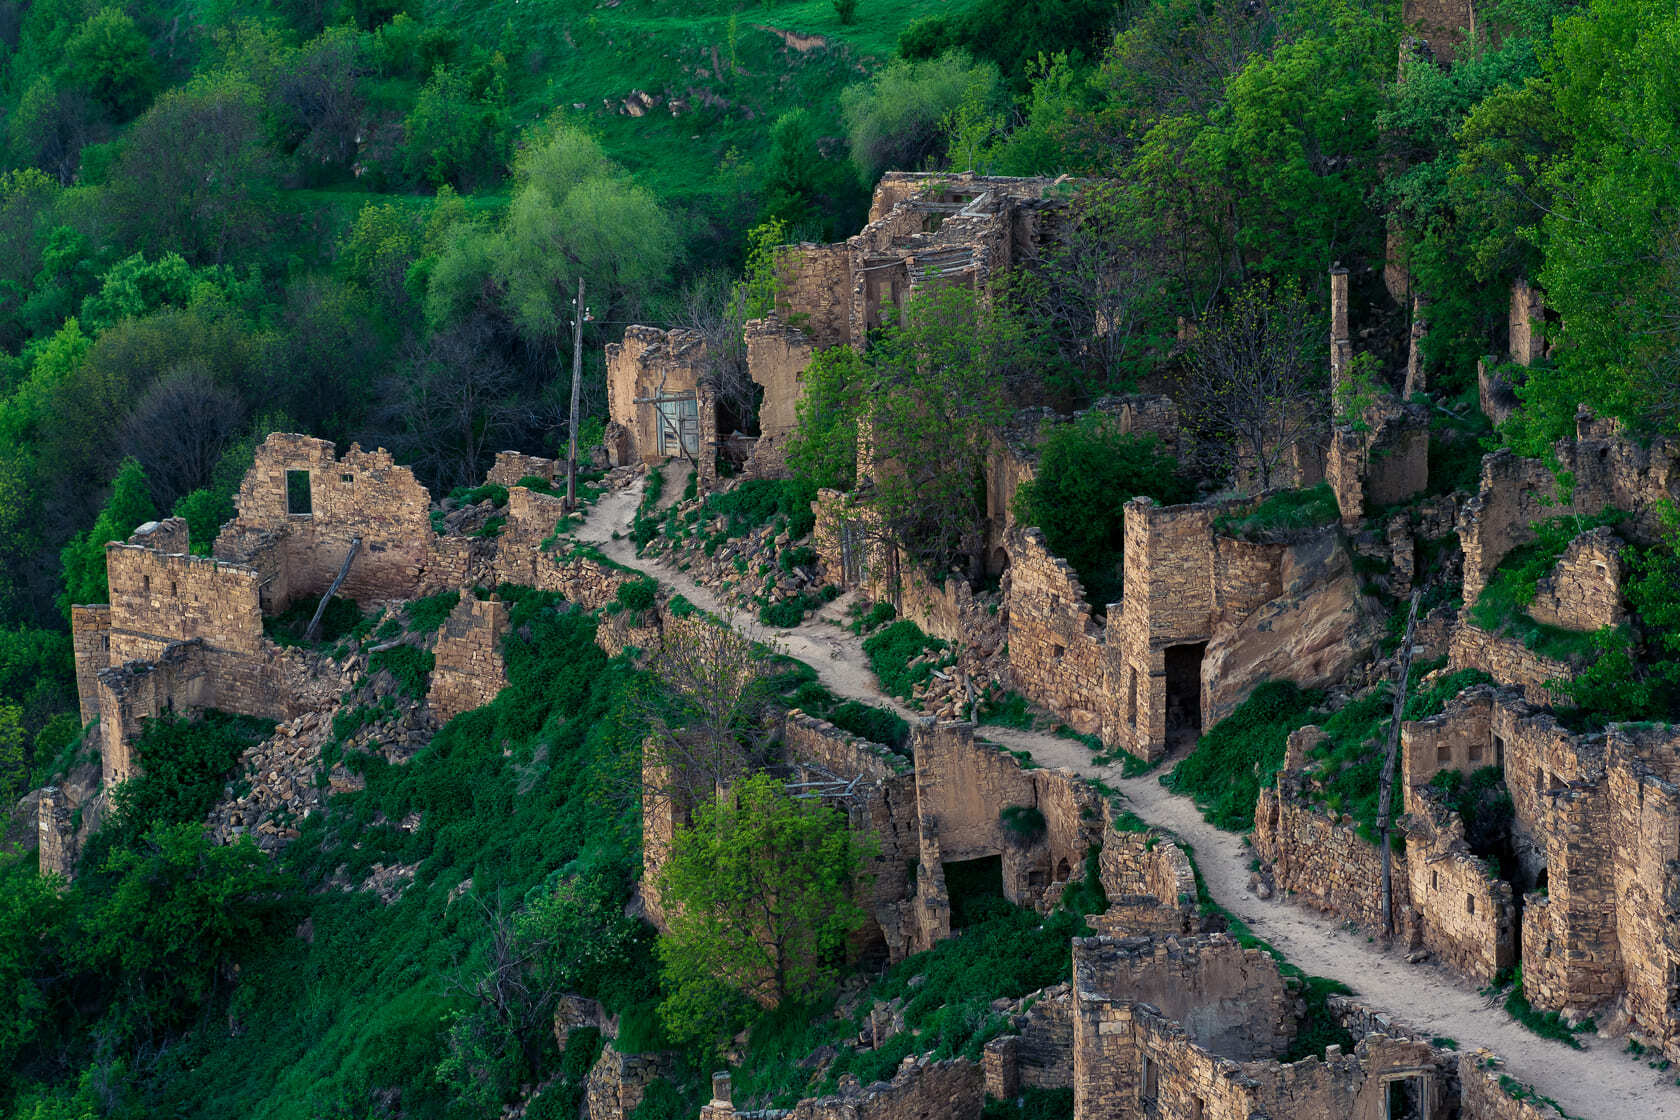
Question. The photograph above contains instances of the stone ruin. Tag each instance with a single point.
(1181, 1028)
(942, 810)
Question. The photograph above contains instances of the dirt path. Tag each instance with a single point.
(1598, 1083)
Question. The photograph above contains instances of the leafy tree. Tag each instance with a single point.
(165, 918)
(895, 121)
(575, 214)
(823, 446)
(1087, 472)
(83, 559)
(34, 917)
(943, 381)
(1612, 240)
(1012, 33)
(52, 125)
(459, 131)
(758, 894)
(803, 188)
(1253, 384)
(708, 718)
(111, 59)
(193, 172)
(14, 754)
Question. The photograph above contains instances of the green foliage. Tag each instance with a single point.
(759, 501)
(1013, 35)
(1007, 709)
(1317, 1029)
(205, 511)
(894, 120)
(410, 666)
(1087, 472)
(823, 447)
(1503, 604)
(1546, 1024)
(758, 892)
(890, 651)
(1623, 680)
(83, 559)
(1431, 701)
(341, 617)
(1242, 752)
(427, 614)
(637, 595)
(1483, 802)
(458, 132)
(182, 766)
(1285, 512)
(1023, 822)
(1032, 1104)
(878, 725)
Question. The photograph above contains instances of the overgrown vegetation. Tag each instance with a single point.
(1241, 752)
(1503, 604)
(1284, 512)
(892, 649)
(1087, 472)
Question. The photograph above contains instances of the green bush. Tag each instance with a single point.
(540, 484)
(1503, 604)
(758, 502)
(1242, 752)
(493, 492)
(1287, 512)
(879, 614)
(341, 618)
(875, 724)
(890, 651)
(409, 665)
(427, 614)
(637, 595)
(1023, 822)
(897, 118)
(1088, 470)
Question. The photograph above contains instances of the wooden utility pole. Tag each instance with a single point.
(1385, 801)
(577, 380)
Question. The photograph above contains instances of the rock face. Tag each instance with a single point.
(1318, 629)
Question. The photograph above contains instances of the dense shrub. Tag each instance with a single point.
(890, 651)
(427, 614)
(409, 665)
(1285, 512)
(1087, 472)
(895, 120)
(637, 594)
(875, 724)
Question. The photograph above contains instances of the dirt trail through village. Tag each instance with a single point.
(1598, 1083)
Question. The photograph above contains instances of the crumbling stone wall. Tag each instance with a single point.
(469, 670)
(362, 495)
(1584, 590)
(1150, 884)
(90, 641)
(961, 788)
(648, 363)
(1229, 1000)
(1382, 460)
(1507, 660)
(158, 599)
(1641, 785)
(617, 1082)
(1038, 1053)
(1526, 321)
(1466, 914)
(1058, 654)
(1323, 862)
(57, 845)
(1459, 738)
(1484, 1095)
(777, 356)
(511, 466)
(814, 292)
(519, 557)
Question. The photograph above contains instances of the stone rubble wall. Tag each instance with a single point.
(1507, 660)
(1466, 915)
(617, 1082)
(1038, 1053)
(1643, 789)
(1324, 863)
(1229, 1000)
(1380, 461)
(364, 494)
(953, 1089)
(1584, 591)
(1150, 884)
(469, 668)
(777, 357)
(1483, 1095)
(511, 466)
(90, 640)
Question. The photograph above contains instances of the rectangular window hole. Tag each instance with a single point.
(300, 501)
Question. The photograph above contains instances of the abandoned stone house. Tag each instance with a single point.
(1190, 1027)
(923, 230)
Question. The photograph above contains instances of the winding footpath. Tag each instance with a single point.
(1599, 1082)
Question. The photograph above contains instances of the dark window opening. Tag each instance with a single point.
(1149, 1081)
(975, 887)
(1063, 871)
(146, 584)
(347, 478)
(300, 501)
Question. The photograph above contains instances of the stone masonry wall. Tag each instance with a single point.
(1507, 660)
(1325, 863)
(1483, 1093)
(1058, 655)
(647, 363)
(470, 671)
(1467, 917)
(1229, 1000)
(1382, 460)
(511, 466)
(362, 495)
(777, 356)
(90, 639)
(947, 1090)
(158, 599)
(815, 283)
(1641, 785)
(1150, 885)
(1584, 590)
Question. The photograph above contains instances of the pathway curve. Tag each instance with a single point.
(1597, 1083)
